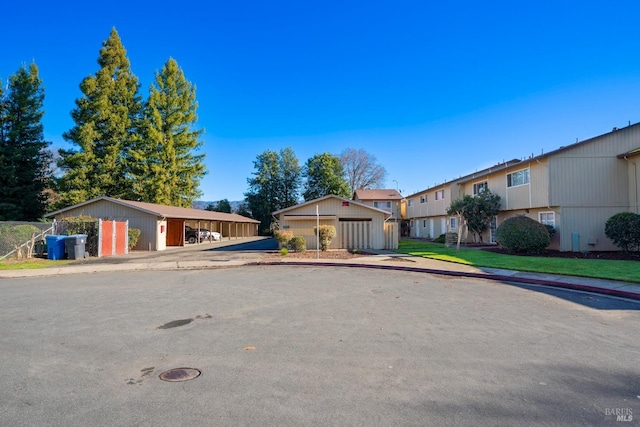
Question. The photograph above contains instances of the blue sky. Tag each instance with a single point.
(434, 91)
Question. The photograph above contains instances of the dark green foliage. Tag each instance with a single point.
(107, 121)
(550, 229)
(134, 237)
(325, 176)
(162, 163)
(24, 158)
(222, 206)
(243, 209)
(521, 234)
(298, 244)
(624, 230)
(476, 211)
(274, 185)
(440, 239)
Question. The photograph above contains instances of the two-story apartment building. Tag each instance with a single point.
(387, 200)
(575, 188)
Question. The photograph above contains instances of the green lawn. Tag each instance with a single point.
(628, 271)
(30, 264)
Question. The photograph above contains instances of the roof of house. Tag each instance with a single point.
(473, 175)
(631, 153)
(330, 196)
(164, 211)
(376, 194)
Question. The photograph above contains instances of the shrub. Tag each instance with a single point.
(521, 234)
(282, 237)
(326, 234)
(134, 237)
(624, 230)
(298, 244)
(284, 251)
(550, 229)
(440, 239)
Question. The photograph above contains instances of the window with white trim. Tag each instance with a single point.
(453, 223)
(382, 205)
(410, 202)
(516, 178)
(547, 218)
(424, 223)
(480, 187)
(423, 198)
(440, 195)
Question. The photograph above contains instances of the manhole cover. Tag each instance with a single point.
(180, 374)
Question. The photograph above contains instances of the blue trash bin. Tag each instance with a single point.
(55, 247)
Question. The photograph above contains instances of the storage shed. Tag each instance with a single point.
(161, 225)
(358, 226)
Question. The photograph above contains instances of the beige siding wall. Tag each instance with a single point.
(333, 206)
(589, 182)
(148, 225)
(588, 224)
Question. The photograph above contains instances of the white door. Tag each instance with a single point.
(431, 232)
(443, 225)
(417, 223)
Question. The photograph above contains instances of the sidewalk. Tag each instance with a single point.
(387, 260)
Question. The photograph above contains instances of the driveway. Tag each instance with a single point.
(290, 346)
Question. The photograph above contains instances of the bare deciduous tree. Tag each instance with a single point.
(362, 169)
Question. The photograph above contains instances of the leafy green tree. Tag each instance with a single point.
(325, 175)
(222, 206)
(274, 185)
(475, 212)
(107, 120)
(623, 229)
(291, 177)
(24, 158)
(163, 163)
(243, 209)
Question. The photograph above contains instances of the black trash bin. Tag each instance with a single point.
(75, 246)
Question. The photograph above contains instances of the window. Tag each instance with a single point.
(518, 178)
(440, 195)
(382, 205)
(345, 203)
(453, 223)
(423, 198)
(547, 218)
(479, 187)
(424, 223)
(410, 202)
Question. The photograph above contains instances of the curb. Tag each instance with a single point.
(496, 277)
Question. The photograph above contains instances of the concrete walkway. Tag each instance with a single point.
(232, 254)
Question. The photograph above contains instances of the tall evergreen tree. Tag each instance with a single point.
(325, 176)
(164, 165)
(23, 151)
(275, 185)
(106, 118)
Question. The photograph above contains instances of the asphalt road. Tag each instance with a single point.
(289, 346)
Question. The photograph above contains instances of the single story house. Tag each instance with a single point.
(161, 226)
(358, 226)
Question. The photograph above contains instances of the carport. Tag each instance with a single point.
(161, 226)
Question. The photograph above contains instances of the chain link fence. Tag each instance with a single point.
(22, 239)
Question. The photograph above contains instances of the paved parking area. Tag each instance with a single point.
(287, 345)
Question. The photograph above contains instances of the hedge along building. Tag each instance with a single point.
(161, 226)
(358, 226)
(575, 189)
